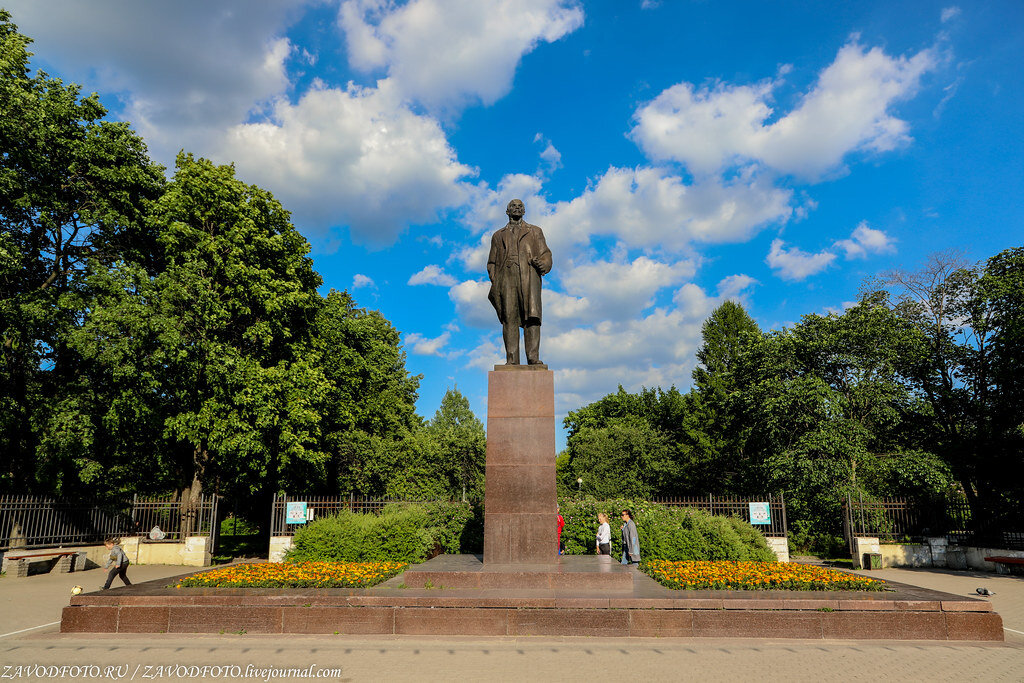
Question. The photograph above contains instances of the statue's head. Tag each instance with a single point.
(516, 209)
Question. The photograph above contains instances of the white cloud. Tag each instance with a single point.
(486, 355)
(361, 280)
(848, 109)
(185, 70)
(649, 207)
(485, 210)
(653, 349)
(734, 288)
(658, 338)
(213, 81)
(621, 290)
(693, 302)
(949, 13)
(564, 309)
(355, 157)
(656, 349)
(426, 346)
(839, 310)
(471, 304)
(432, 275)
(551, 158)
(643, 208)
(864, 241)
(596, 341)
(446, 53)
(794, 264)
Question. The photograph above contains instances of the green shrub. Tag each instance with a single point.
(757, 548)
(666, 533)
(452, 526)
(238, 526)
(400, 533)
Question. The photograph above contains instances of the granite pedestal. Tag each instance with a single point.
(520, 506)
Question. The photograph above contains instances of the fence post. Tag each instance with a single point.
(862, 528)
(848, 523)
(785, 524)
(214, 523)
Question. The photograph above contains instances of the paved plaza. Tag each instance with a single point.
(38, 600)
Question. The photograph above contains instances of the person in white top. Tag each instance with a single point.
(604, 535)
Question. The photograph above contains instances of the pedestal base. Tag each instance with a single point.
(520, 507)
(579, 600)
(582, 573)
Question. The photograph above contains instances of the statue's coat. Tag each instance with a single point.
(531, 245)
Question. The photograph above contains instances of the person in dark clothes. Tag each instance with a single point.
(630, 539)
(119, 561)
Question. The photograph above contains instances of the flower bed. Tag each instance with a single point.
(296, 575)
(748, 576)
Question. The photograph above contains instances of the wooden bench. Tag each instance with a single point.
(16, 566)
(1006, 560)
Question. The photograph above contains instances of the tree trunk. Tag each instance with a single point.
(191, 496)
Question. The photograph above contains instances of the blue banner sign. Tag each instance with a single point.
(760, 513)
(295, 513)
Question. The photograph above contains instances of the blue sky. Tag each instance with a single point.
(675, 153)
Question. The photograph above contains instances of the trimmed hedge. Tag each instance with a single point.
(416, 532)
(400, 533)
(666, 533)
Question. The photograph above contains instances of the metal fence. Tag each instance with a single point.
(39, 522)
(325, 506)
(907, 520)
(737, 507)
(174, 517)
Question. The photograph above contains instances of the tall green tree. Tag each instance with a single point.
(624, 457)
(828, 414)
(948, 305)
(721, 461)
(441, 459)
(215, 345)
(1003, 284)
(462, 445)
(73, 188)
(371, 396)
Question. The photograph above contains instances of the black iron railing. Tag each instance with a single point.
(175, 518)
(38, 522)
(737, 506)
(909, 520)
(322, 506)
(325, 506)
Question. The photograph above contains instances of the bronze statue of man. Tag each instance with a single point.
(519, 258)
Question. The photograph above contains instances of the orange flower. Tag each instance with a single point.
(754, 576)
